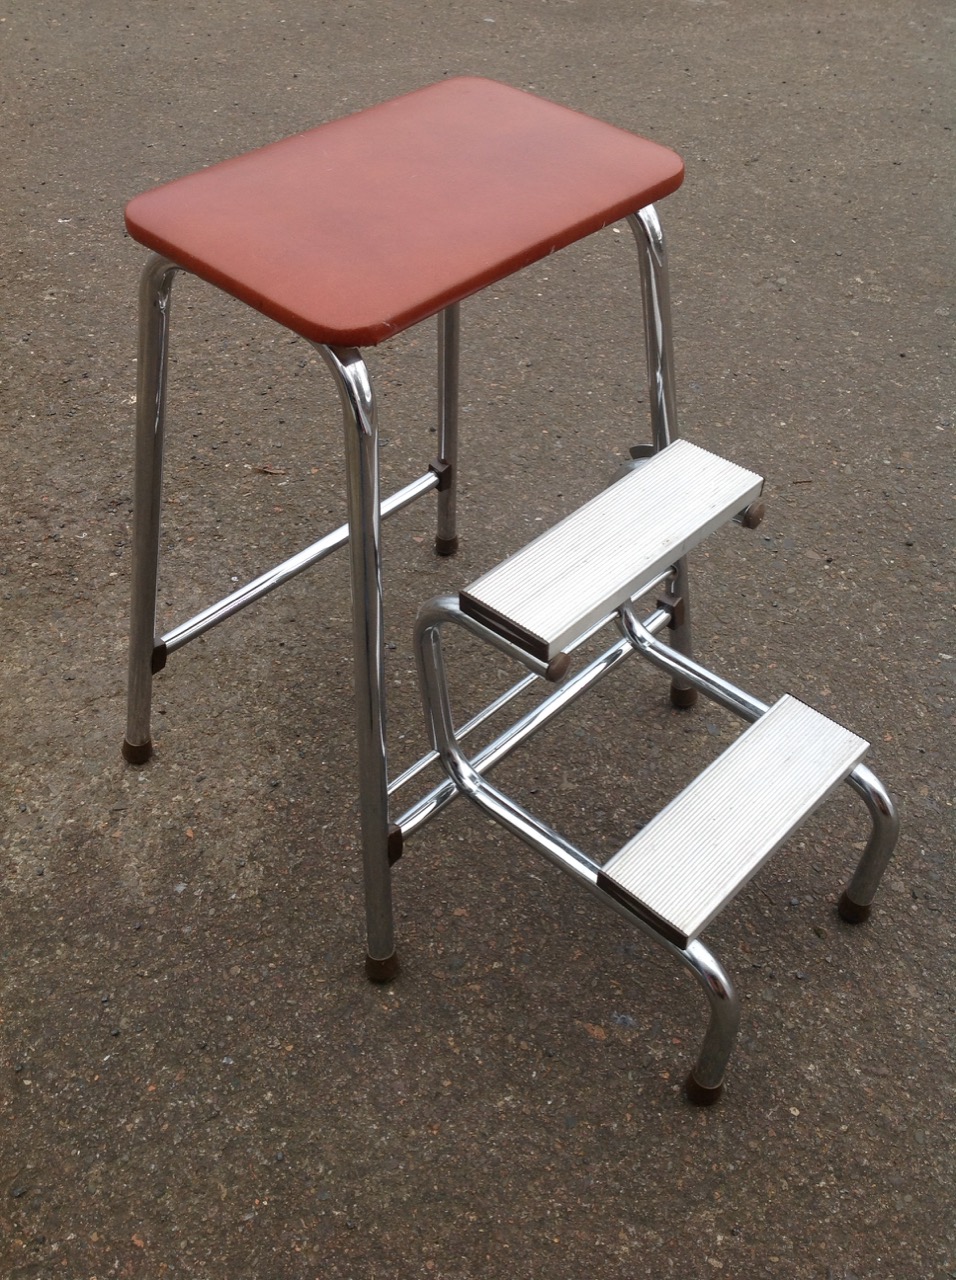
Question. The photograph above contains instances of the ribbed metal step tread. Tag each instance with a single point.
(699, 851)
(547, 595)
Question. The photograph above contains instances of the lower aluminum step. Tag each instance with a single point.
(548, 594)
(689, 861)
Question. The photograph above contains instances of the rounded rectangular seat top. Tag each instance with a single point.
(355, 230)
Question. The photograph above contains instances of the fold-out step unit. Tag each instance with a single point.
(679, 871)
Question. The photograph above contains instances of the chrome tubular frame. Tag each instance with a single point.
(658, 341)
(466, 776)
(431, 757)
(885, 824)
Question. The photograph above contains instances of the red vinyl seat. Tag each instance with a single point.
(355, 230)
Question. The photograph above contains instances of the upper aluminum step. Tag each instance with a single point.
(548, 594)
(694, 856)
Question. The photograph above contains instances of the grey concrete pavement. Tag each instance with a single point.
(195, 1078)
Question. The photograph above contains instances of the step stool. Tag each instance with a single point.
(680, 870)
(349, 234)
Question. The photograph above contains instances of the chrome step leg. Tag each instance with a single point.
(857, 898)
(362, 462)
(705, 1083)
(154, 308)
(658, 341)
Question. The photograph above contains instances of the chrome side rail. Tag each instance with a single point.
(446, 609)
(431, 757)
(509, 695)
(284, 572)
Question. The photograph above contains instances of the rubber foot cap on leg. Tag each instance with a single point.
(701, 1095)
(139, 754)
(683, 698)
(446, 546)
(851, 911)
(382, 970)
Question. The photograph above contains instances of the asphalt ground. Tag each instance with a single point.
(197, 1081)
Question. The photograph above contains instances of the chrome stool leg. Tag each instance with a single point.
(154, 308)
(658, 341)
(362, 461)
(449, 346)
